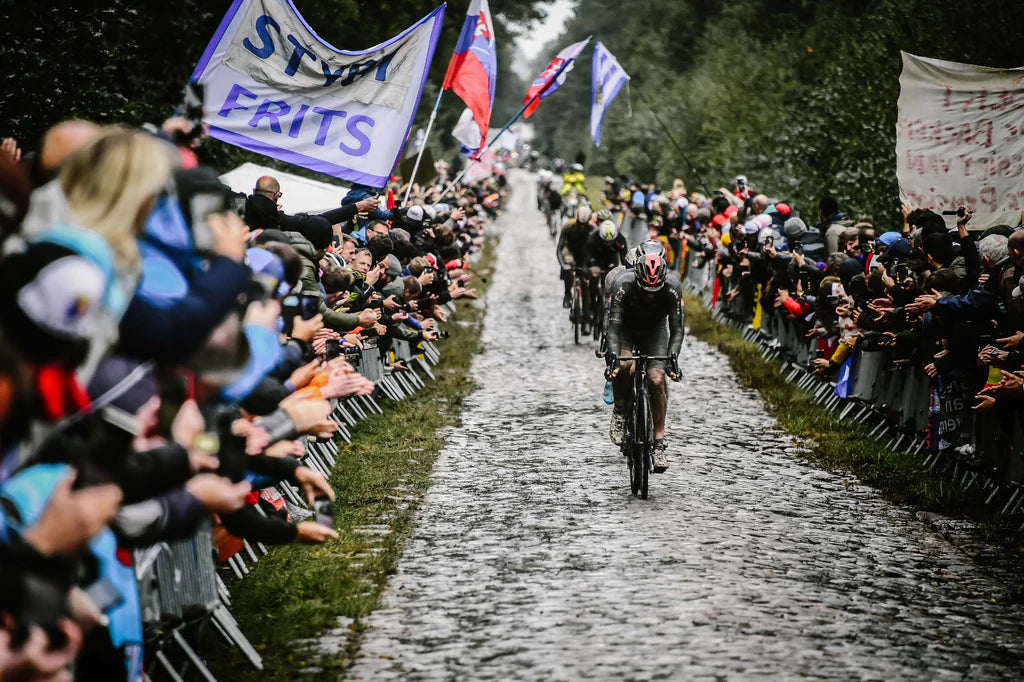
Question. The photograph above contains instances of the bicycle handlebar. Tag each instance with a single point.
(641, 356)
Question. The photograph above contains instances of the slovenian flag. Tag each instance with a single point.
(474, 67)
(551, 78)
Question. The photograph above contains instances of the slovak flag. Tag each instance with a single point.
(474, 67)
(551, 78)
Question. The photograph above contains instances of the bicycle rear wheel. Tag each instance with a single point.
(577, 314)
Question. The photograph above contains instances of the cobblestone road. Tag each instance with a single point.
(532, 562)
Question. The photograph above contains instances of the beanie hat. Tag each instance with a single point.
(850, 268)
(270, 235)
(783, 209)
(113, 372)
(795, 227)
(898, 249)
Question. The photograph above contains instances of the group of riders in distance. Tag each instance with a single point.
(626, 296)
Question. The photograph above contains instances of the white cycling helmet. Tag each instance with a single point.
(608, 230)
(583, 213)
(649, 246)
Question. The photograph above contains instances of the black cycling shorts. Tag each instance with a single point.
(649, 341)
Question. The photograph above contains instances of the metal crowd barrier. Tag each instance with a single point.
(893, 400)
(181, 593)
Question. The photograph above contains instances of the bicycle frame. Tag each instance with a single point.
(638, 440)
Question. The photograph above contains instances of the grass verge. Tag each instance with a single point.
(839, 445)
(300, 592)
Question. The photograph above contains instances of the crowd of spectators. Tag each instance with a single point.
(166, 347)
(930, 292)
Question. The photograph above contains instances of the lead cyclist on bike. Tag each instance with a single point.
(646, 313)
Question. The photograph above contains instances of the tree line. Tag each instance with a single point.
(799, 95)
(121, 61)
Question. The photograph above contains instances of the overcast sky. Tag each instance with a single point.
(529, 44)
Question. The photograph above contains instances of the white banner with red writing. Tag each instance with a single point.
(273, 86)
(960, 139)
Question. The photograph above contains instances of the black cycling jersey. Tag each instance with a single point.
(635, 314)
(606, 255)
(574, 238)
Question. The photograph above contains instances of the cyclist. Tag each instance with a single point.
(571, 251)
(605, 249)
(646, 313)
(574, 180)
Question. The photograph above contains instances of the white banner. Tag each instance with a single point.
(960, 139)
(274, 87)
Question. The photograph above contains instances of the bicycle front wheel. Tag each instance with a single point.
(636, 477)
(644, 426)
(645, 469)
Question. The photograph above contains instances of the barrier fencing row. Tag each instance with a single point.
(897, 401)
(182, 594)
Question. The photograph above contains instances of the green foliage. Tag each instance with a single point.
(798, 95)
(124, 61)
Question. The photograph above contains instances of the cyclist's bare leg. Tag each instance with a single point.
(586, 289)
(659, 400)
(592, 282)
(622, 384)
(567, 275)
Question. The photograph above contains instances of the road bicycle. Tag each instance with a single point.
(576, 303)
(638, 435)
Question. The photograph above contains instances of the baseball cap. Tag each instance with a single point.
(394, 268)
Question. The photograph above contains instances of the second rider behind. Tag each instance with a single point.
(646, 313)
(571, 251)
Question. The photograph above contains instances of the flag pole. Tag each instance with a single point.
(674, 143)
(477, 156)
(512, 120)
(426, 137)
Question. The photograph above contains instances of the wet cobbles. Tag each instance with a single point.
(531, 561)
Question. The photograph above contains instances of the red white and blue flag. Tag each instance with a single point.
(551, 78)
(474, 67)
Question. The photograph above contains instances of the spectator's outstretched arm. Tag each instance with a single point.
(171, 334)
(170, 516)
(340, 215)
